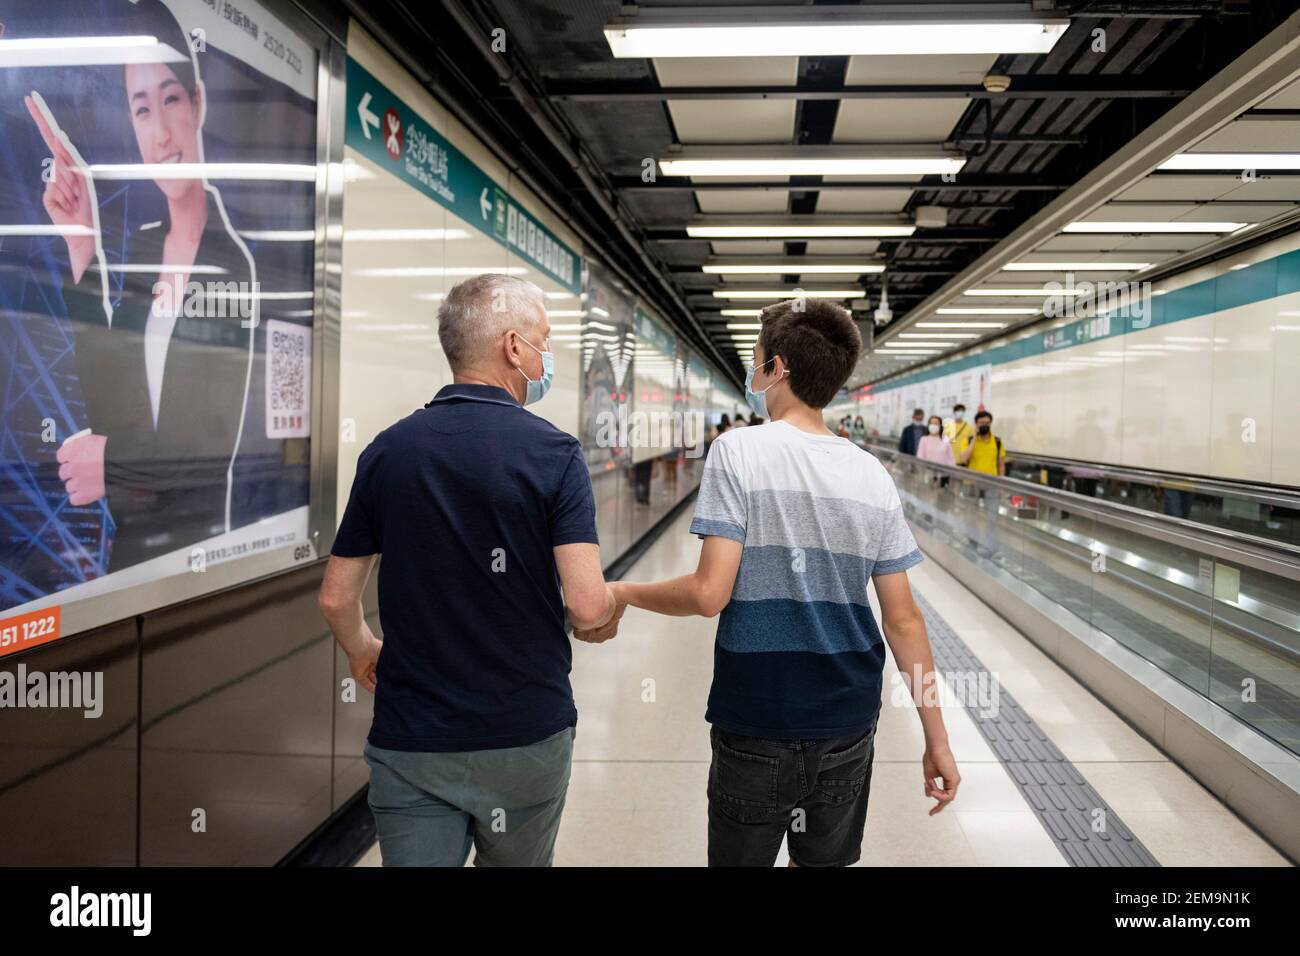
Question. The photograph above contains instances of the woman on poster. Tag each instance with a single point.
(165, 372)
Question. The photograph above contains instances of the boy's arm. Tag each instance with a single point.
(705, 591)
(905, 632)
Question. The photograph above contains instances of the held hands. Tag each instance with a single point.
(937, 761)
(70, 192)
(598, 635)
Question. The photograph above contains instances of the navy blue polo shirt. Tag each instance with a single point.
(465, 499)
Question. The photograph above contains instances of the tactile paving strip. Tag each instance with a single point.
(1085, 829)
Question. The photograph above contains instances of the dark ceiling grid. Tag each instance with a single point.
(1066, 112)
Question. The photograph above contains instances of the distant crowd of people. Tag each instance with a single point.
(954, 441)
(726, 422)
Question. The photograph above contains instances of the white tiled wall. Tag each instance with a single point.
(1186, 397)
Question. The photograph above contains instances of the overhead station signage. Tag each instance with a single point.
(391, 134)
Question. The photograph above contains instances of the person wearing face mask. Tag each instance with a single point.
(797, 523)
(984, 452)
(960, 431)
(485, 517)
(911, 436)
(933, 446)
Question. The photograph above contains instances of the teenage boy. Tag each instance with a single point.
(795, 520)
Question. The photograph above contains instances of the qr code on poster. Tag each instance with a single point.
(288, 380)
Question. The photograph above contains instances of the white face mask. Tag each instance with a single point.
(959, 416)
(934, 429)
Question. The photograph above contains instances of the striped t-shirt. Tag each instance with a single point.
(798, 652)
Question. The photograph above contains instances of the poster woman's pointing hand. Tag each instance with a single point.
(69, 192)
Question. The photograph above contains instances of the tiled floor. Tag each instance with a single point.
(637, 795)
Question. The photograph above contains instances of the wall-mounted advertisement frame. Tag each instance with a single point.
(163, 288)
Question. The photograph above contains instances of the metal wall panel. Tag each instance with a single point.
(67, 782)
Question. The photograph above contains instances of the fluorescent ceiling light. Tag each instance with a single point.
(292, 172)
(401, 235)
(1074, 266)
(85, 51)
(741, 313)
(745, 325)
(985, 310)
(153, 268)
(1233, 162)
(916, 346)
(45, 229)
(1124, 227)
(411, 272)
(279, 235)
(788, 32)
(792, 266)
(794, 230)
(1001, 292)
(938, 335)
(813, 166)
(789, 293)
(960, 325)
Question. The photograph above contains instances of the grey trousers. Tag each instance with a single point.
(430, 808)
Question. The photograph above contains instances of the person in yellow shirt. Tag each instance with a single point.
(959, 431)
(985, 452)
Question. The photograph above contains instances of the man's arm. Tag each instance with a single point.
(340, 603)
(587, 597)
(905, 632)
(705, 591)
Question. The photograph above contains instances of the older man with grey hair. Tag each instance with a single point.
(486, 521)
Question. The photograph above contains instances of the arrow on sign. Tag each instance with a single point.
(484, 204)
(367, 118)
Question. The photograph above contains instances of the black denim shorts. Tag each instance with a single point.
(812, 792)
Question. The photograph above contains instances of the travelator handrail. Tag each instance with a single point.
(1197, 484)
(1264, 554)
(1248, 491)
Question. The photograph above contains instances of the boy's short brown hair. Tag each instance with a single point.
(819, 343)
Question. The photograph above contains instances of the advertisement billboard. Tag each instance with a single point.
(158, 183)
